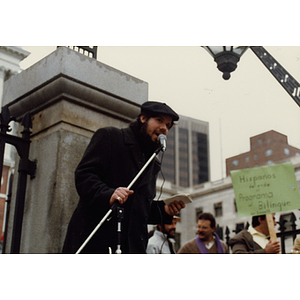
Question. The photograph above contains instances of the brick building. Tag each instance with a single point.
(266, 148)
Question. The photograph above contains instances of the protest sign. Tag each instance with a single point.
(265, 190)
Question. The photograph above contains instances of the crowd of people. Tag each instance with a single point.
(112, 159)
(254, 240)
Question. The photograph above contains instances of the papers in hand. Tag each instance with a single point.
(180, 197)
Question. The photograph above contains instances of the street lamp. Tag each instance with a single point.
(226, 57)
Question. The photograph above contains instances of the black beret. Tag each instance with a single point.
(153, 108)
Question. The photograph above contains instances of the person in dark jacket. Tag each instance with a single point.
(111, 161)
(255, 239)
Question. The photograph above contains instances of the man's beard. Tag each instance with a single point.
(146, 142)
(171, 234)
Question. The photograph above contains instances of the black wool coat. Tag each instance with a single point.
(112, 159)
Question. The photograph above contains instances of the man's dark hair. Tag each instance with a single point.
(136, 122)
(148, 116)
(255, 221)
(208, 217)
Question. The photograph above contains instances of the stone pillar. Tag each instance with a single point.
(69, 96)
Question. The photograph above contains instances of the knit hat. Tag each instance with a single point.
(154, 108)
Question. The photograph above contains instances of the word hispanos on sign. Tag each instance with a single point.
(245, 179)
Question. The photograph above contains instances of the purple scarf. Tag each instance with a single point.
(204, 250)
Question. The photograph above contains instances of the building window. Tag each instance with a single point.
(286, 151)
(269, 162)
(219, 232)
(198, 211)
(183, 158)
(218, 209)
(168, 163)
(259, 141)
(268, 152)
(199, 157)
(255, 156)
(235, 162)
(247, 159)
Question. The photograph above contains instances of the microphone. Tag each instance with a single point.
(163, 141)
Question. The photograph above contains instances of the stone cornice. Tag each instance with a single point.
(62, 87)
(212, 189)
(74, 77)
(16, 51)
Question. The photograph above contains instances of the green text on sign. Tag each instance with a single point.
(265, 190)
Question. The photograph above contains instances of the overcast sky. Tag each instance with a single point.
(249, 103)
(186, 78)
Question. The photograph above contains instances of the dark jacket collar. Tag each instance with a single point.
(131, 139)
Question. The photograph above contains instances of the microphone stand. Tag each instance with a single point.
(113, 207)
(120, 216)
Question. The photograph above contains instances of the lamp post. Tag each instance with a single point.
(227, 58)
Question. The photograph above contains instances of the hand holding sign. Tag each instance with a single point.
(264, 191)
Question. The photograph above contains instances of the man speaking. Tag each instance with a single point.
(112, 159)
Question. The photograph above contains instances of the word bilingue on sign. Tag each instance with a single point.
(265, 190)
